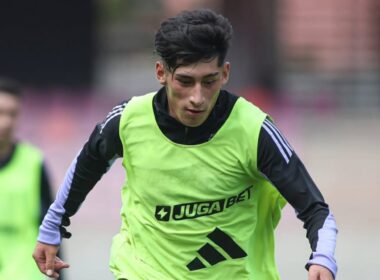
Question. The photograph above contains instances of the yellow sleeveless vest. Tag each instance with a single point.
(194, 211)
(19, 213)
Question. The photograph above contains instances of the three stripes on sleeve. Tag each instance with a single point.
(116, 111)
(282, 144)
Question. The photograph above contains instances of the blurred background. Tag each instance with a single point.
(313, 65)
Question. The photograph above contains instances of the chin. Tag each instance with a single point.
(193, 124)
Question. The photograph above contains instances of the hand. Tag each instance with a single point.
(47, 261)
(318, 272)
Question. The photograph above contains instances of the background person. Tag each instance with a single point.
(25, 193)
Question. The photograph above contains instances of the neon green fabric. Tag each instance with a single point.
(194, 211)
(19, 214)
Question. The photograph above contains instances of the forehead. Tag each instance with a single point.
(199, 69)
(8, 101)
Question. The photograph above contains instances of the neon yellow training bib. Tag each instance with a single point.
(194, 211)
(20, 213)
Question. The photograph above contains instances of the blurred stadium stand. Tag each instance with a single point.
(330, 50)
(48, 43)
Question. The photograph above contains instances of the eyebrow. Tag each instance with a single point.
(191, 77)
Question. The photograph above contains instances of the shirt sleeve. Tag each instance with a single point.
(92, 162)
(280, 164)
(46, 198)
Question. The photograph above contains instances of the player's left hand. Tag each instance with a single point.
(318, 272)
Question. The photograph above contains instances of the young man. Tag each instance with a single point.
(25, 193)
(207, 173)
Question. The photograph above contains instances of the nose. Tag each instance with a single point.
(196, 97)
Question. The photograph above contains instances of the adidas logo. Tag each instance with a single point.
(211, 255)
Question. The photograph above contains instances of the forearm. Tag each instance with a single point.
(301, 192)
(97, 155)
(324, 252)
(82, 175)
(50, 228)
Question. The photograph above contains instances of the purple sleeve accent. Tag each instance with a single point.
(49, 230)
(324, 254)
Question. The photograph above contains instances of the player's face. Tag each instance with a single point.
(192, 90)
(9, 111)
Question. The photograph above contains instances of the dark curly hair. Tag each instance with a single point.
(10, 86)
(192, 36)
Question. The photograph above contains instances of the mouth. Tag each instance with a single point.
(194, 112)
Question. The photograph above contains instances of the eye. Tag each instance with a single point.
(209, 82)
(185, 82)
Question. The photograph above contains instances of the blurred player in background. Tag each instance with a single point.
(25, 193)
(207, 173)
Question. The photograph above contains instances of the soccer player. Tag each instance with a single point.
(207, 173)
(25, 193)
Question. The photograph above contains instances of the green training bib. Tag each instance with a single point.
(194, 211)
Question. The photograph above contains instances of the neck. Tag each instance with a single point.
(5, 149)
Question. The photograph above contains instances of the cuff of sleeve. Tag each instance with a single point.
(49, 236)
(323, 260)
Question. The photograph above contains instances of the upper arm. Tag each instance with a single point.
(104, 141)
(281, 165)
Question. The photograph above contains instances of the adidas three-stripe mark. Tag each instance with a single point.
(116, 111)
(280, 141)
(212, 255)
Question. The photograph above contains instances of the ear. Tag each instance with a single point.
(226, 72)
(160, 73)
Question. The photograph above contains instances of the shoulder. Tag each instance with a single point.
(248, 114)
(239, 103)
(249, 108)
(28, 152)
(138, 104)
(141, 99)
(26, 147)
(113, 117)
